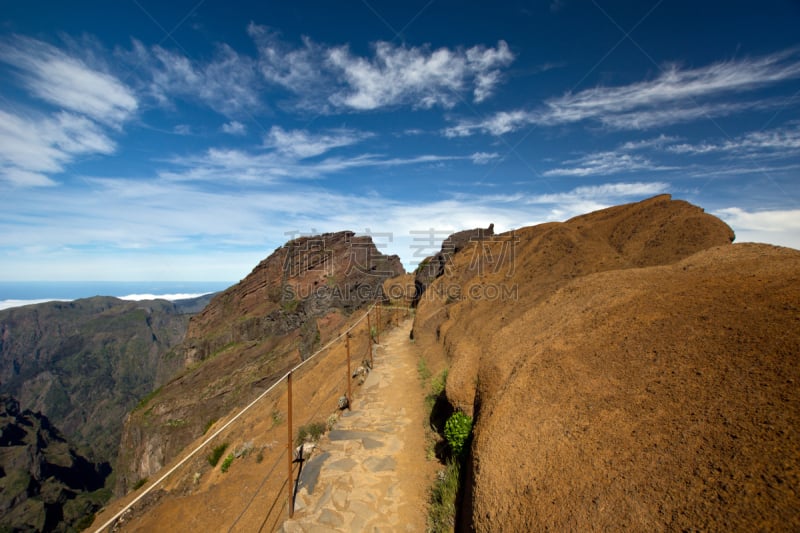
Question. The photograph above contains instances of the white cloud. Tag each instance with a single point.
(324, 77)
(68, 82)
(497, 124)
(676, 95)
(656, 142)
(604, 164)
(234, 127)
(482, 158)
(227, 83)
(231, 166)
(298, 69)
(423, 78)
(780, 227)
(606, 193)
(302, 144)
(779, 142)
(24, 178)
(34, 145)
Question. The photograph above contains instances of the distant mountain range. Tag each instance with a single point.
(85, 364)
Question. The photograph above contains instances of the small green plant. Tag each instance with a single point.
(332, 419)
(437, 389)
(260, 456)
(439, 383)
(310, 432)
(139, 484)
(423, 370)
(208, 425)
(226, 464)
(442, 509)
(373, 332)
(457, 431)
(277, 417)
(216, 454)
(290, 306)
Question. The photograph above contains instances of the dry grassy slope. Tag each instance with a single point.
(613, 396)
(248, 336)
(251, 496)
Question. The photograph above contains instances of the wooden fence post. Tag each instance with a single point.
(349, 378)
(289, 448)
(378, 327)
(369, 339)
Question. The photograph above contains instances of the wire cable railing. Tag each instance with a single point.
(373, 336)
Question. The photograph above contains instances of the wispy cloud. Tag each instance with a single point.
(89, 103)
(605, 164)
(777, 142)
(34, 146)
(302, 144)
(67, 82)
(227, 83)
(219, 166)
(656, 142)
(332, 76)
(676, 95)
(497, 124)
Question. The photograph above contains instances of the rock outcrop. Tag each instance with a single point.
(627, 369)
(248, 336)
(45, 485)
(435, 266)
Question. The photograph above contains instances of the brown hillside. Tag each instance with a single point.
(610, 392)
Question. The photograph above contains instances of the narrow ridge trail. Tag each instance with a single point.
(370, 473)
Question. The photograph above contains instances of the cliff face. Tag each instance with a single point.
(248, 336)
(627, 369)
(45, 485)
(86, 363)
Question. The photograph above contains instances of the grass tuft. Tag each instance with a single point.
(310, 432)
(442, 509)
(216, 454)
(226, 464)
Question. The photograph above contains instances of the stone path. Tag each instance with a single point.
(370, 473)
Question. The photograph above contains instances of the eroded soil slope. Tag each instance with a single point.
(643, 374)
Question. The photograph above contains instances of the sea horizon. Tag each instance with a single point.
(21, 293)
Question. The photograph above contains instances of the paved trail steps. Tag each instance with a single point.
(370, 472)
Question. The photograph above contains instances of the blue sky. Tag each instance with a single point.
(144, 140)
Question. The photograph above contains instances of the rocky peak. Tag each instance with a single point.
(267, 322)
(434, 266)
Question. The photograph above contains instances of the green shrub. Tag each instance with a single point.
(216, 454)
(139, 484)
(312, 432)
(457, 431)
(226, 464)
